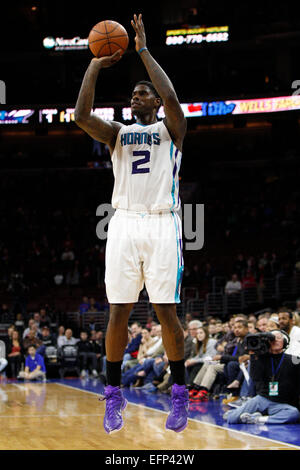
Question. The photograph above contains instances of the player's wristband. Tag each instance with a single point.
(142, 49)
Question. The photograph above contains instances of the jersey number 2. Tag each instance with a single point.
(146, 158)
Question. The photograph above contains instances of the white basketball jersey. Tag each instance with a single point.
(146, 164)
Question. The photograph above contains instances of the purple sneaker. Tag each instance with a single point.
(115, 404)
(177, 419)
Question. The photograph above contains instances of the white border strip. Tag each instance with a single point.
(192, 419)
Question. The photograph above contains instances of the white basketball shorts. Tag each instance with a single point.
(144, 249)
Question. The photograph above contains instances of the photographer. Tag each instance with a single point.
(277, 380)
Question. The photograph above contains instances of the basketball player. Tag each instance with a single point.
(144, 236)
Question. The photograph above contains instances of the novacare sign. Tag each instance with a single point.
(61, 44)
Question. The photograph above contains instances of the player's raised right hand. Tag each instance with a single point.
(107, 61)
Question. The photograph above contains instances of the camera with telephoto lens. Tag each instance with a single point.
(259, 343)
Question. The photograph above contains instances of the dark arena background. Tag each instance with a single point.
(235, 68)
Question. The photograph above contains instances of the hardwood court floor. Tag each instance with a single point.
(48, 416)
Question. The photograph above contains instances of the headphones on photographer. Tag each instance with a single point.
(286, 338)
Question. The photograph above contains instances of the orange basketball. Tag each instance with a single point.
(107, 37)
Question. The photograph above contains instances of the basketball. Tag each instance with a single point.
(107, 37)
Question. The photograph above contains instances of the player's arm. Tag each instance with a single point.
(174, 120)
(97, 128)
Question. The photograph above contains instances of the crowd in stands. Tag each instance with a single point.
(217, 361)
(49, 344)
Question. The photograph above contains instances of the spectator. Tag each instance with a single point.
(66, 339)
(19, 323)
(273, 323)
(234, 286)
(8, 337)
(132, 349)
(252, 327)
(32, 340)
(139, 372)
(188, 342)
(193, 328)
(60, 333)
(31, 322)
(94, 305)
(248, 280)
(86, 355)
(277, 400)
(44, 319)
(84, 306)
(14, 354)
(262, 324)
(240, 265)
(146, 342)
(37, 319)
(34, 366)
(47, 340)
(286, 323)
(228, 363)
(205, 350)
(97, 344)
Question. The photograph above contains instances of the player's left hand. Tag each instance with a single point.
(138, 26)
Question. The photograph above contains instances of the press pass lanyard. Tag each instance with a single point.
(273, 385)
(274, 372)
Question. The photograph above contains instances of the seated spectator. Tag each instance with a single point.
(227, 363)
(34, 366)
(47, 340)
(60, 332)
(234, 286)
(97, 345)
(66, 339)
(273, 323)
(205, 350)
(262, 324)
(31, 322)
(32, 340)
(45, 319)
(154, 373)
(84, 306)
(8, 337)
(87, 356)
(14, 354)
(188, 342)
(248, 280)
(94, 305)
(193, 328)
(286, 323)
(19, 323)
(132, 349)
(219, 333)
(146, 342)
(138, 374)
(252, 327)
(277, 400)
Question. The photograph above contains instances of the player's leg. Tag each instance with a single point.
(124, 280)
(163, 268)
(115, 343)
(116, 340)
(173, 340)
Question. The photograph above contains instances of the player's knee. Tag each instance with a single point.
(119, 313)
